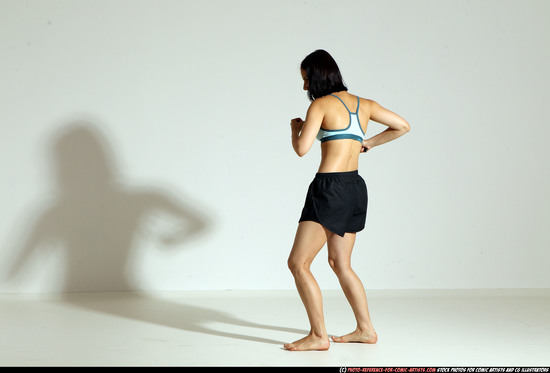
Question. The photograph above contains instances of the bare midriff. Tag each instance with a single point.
(340, 155)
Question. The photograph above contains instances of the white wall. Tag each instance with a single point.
(121, 119)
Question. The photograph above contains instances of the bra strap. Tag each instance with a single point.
(341, 102)
(346, 105)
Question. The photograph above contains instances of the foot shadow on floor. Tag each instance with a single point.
(171, 313)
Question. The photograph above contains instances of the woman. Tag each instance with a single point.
(336, 202)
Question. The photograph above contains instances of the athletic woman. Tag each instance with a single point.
(336, 202)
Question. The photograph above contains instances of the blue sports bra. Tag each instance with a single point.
(352, 131)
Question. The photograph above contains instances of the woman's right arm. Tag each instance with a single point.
(397, 126)
(304, 132)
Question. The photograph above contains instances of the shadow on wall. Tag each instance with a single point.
(97, 220)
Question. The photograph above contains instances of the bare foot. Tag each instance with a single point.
(358, 336)
(311, 342)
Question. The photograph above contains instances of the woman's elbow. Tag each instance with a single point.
(301, 152)
(301, 149)
(406, 127)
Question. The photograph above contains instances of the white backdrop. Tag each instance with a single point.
(125, 122)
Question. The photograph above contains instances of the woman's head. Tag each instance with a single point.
(321, 75)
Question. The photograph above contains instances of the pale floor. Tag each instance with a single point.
(248, 328)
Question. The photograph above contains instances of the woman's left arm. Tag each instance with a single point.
(305, 132)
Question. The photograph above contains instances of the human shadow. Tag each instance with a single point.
(98, 222)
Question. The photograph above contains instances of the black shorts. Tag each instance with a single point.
(337, 201)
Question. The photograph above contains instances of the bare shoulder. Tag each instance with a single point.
(321, 101)
(321, 104)
(367, 105)
(368, 102)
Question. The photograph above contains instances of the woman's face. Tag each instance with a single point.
(306, 81)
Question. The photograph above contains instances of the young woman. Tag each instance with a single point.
(336, 202)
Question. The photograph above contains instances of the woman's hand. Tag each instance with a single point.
(366, 147)
(297, 124)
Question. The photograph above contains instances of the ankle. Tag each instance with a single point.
(319, 333)
(365, 328)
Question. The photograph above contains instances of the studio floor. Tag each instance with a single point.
(458, 328)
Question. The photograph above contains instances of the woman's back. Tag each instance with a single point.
(342, 111)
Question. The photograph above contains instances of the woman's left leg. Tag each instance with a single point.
(339, 253)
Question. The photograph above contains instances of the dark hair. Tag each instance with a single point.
(323, 74)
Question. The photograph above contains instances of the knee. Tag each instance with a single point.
(332, 263)
(338, 266)
(296, 266)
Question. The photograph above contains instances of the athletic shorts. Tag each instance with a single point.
(338, 201)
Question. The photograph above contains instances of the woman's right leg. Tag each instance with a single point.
(310, 239)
